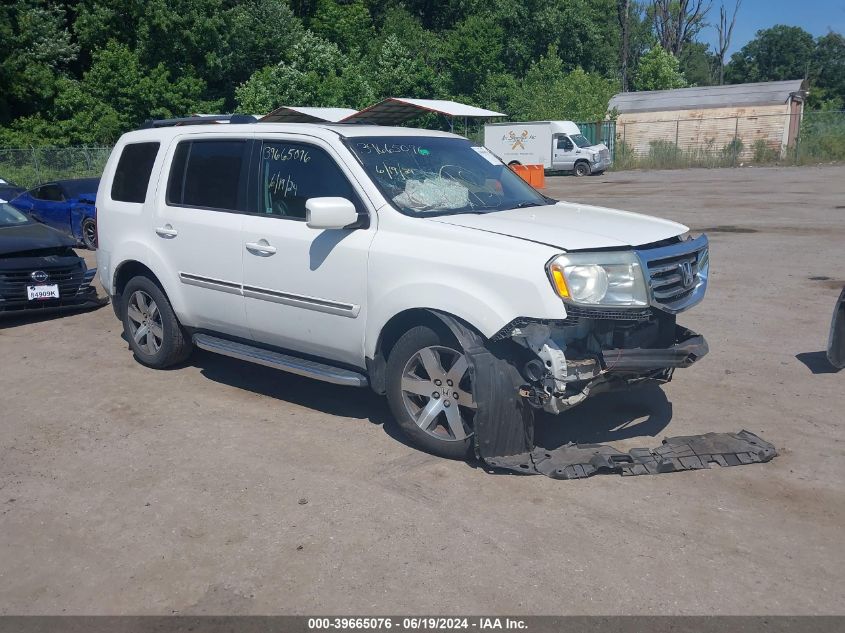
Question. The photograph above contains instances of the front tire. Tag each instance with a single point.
(430, 393)
(89, 233)
(150, 325)
(582, 169)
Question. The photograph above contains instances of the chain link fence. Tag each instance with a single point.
(31, 166)
(786, 139)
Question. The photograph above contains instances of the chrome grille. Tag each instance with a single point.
(677, 274)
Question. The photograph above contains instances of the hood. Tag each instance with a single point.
(29, 237)
(571, 227)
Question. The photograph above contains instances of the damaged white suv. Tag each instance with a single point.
(410, 261)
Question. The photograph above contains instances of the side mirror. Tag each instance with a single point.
(330, 213)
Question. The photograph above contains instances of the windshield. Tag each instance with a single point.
(580, 140)
(10, 216)
(84, 186)
(441, 175)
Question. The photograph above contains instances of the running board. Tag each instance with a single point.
(290, 364)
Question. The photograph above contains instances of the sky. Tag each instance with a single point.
(815, 16)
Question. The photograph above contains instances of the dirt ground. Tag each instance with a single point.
(227, 488)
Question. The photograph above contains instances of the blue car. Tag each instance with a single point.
(65, 205)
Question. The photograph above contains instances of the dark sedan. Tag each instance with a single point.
(38, 268)
(9, 190)
(65, 205)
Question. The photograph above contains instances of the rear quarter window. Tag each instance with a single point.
(132, 176)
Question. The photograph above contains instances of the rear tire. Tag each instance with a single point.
(154, 333)
(429, 392)
(582, 168)
(89, 233)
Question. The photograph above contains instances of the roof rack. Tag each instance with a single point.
(200, 119)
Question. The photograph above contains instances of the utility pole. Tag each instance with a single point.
(623, 10)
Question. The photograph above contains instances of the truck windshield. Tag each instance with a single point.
(441, 175)
(580, 140)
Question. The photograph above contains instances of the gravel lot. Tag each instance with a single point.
(222, 487)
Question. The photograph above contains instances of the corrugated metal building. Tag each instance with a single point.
(712, 118)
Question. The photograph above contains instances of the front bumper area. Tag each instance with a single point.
(688, 348)
(75, 292)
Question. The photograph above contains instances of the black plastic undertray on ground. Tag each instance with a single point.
(690, 452)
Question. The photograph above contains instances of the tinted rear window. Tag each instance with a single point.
(132, 175)
(81, 187)
(209, 174)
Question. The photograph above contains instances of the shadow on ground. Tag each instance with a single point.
(817, 362)
(16, 319)
(347, 402)
(609, 417)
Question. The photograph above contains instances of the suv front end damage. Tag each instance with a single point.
(620, 327)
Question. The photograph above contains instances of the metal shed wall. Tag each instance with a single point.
(708, 129)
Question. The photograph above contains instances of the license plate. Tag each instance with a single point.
(40, 293)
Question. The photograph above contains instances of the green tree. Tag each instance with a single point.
(316, 73)
(397, 72)
(474, 49)
(257, 33)
(827, 73)
(549, 92)
(775, 54)
(347, 24)
(119, 92)
(698, 63)
(659, 70)
(35, 50)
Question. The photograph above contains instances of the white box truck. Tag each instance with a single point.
(557, 145)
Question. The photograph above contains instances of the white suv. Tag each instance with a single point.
(411, 261)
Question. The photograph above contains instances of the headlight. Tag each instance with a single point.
(599, 279)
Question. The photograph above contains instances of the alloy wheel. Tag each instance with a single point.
(145, 324)
(437, 393)
(89, 235)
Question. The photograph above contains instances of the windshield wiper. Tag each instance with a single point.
(526, 203)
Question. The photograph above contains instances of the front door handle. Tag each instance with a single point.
(166, 231)
(261, 247)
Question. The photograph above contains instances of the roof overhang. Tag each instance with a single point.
(297, 114)
(395, 110)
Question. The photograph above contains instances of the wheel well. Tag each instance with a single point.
(392, 332)
(514, 162)
(125, 272)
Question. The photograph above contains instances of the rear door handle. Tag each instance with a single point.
(262, 248)
(167, 231)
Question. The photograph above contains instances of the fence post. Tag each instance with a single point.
(677, 131)
(35, 161)
(736, 136)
